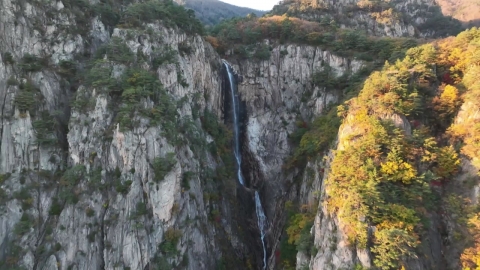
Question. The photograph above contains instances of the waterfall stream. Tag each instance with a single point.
(261, 218)
(262, 224)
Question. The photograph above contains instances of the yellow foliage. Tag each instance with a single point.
(386, 224)
(365, 4)
(395, 169)
(298, 223)
(448, 162)
(381, 175)
(470, 257)
(448, 102)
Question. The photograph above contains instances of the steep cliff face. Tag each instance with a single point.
(104, 165)
(276, 93)
(380, 18)
(377, 140)
(462, 195)
(108, 206)
(175, 206)
(97, 179)
(330, 232)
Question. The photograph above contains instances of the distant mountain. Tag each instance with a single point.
(466, 11)
(396, 18)
(211, 12)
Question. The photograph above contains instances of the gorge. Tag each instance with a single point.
(323, 135)
(235, 104)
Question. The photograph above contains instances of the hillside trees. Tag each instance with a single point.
(246, 35)
(462, 64)
(381, 176)
(212, 12)
(135, 15)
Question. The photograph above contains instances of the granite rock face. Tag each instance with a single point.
(276, 93)
(89, 199)
(87, 227)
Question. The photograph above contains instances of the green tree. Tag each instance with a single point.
(391, 246)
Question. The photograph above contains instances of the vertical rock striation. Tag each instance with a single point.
(93, 197)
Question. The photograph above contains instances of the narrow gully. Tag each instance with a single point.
(261, 218)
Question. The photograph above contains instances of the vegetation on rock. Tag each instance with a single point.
(168, 12)
(245, 38)
(382, 177)
(402, 142)
(212, 12)
(373, 16)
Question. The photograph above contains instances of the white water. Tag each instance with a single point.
(262, 224)
(236, 112)
(261, 218)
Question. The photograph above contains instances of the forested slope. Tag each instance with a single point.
(405, 168)
(212, 12)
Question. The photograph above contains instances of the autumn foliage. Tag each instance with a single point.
(243, 36)
(383, 176)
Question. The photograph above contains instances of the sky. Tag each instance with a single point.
(255, 4)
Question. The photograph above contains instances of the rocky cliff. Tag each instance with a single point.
(124, 178)
(358, 180)
(277, 93)
(104, 145)
(420, 18)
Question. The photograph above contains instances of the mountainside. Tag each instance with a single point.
(212, 12)
(126, 142)
(466, 11)
(396, 18)
(396, 192)
(96, 173)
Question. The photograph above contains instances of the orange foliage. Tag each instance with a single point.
(301, 24)
(264, 25)
(213, 41)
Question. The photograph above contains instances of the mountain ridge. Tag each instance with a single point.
(211, 12)
(394, 18)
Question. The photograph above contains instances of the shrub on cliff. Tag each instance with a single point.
(163, 165)
(27, 98)
(32, 63)
(7, 58)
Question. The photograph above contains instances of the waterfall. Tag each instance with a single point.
(262, 224)
(236, 127)
(261, 218)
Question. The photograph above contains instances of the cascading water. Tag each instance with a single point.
(261, 218)
(262, 224)
(236, 128)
